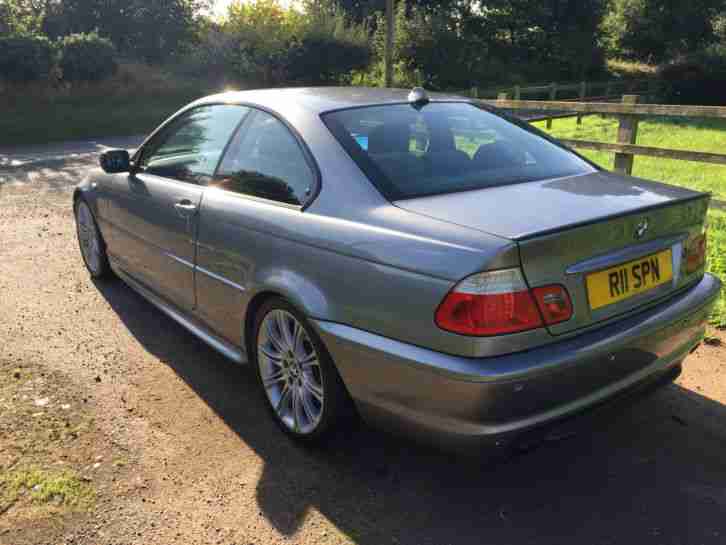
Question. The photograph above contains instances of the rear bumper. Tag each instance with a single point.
(461, 402)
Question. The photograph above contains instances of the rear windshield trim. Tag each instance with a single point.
(386, 187)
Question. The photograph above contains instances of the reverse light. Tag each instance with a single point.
(489, 303)
(554, 303)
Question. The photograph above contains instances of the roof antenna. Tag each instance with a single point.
(418, 97)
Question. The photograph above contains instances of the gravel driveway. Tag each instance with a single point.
(197, 460)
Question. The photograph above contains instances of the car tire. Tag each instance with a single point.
(90, 241)
(294, 362)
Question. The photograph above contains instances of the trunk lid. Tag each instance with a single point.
(569, 230)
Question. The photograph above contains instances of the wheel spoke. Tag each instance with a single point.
(274, 378)
(284, 330)
(274, 358)
(310, 362)
(296, 407)
(314, 390)
(276, 342)
(298, 338)
(284, 399)
(307, 406)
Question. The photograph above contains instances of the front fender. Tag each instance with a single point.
(88, 190)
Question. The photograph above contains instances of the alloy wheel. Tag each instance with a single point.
(88, 238)
(290, 371)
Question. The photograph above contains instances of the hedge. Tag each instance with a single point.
(25, 58)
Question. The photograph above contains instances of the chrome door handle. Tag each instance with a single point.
(186, 209)
(185, 205)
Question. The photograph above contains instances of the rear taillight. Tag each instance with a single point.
(490, 303)
(499, 302)
(696, 253)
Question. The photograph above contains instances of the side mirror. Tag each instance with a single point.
(115, 160)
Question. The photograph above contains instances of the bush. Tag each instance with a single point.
(25, 58)
(696, 79)
(87, 57)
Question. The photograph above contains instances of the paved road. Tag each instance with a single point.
(205, 464)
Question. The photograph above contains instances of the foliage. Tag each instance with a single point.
(327, 50)
(151, 30)
(271, 45)
(21, 17)
(25, 58)
(655, 30)
(87, 57)
(699, 78)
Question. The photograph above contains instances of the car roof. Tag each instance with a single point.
(321, 99)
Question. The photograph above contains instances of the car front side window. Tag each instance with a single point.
(190, 148)
(265, 160)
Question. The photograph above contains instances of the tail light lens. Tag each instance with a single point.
(499, 302)
(490, 303)
(554, 303)
(696, 253)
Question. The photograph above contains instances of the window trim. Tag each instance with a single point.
(383, 184)
(308, 157)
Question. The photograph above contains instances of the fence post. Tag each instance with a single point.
(475, 92)
(517, 92)
(583, 94)
(627, 134)
(553, 96)
(608, 89)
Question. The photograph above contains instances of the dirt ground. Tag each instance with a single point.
(175, 443)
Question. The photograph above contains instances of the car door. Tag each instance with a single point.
(159, 211)
(266, 175)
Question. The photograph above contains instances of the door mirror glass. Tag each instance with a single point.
(115, 160)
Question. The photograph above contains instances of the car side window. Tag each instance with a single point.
(189, 150)
(265, 160)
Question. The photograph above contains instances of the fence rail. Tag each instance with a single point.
(629, 112)
(574, 92)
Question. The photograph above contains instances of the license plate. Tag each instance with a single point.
(628, 279)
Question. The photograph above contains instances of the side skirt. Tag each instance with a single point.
(220, 345)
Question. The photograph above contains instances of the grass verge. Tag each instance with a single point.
(136, 100)
(688, 134)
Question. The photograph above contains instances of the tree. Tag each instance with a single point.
(655, 30)
(22, 16)
(149, 29)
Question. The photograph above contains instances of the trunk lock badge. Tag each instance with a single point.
(641, 229)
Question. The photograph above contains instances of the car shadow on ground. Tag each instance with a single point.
(654, 472)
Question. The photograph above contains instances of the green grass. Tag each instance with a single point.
(134, 101)
(34, 122)
(687, 134)
(63, 488)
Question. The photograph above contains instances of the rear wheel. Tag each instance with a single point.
(303, 389)
(93, 249)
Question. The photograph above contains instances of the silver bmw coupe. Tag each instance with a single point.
(435, 265)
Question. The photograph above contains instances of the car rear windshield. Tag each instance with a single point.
(443, 147)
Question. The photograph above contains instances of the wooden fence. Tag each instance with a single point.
(583, 91)
(629, 111)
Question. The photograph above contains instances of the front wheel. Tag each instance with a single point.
(304, 391)
(93, 248)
